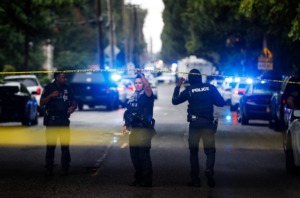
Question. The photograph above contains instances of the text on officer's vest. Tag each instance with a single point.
(200, 89)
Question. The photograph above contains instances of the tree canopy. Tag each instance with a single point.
(231, 33)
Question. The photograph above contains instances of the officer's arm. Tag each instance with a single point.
(179, 98)
(45, 99)
(147, 87)
(217, 98)
(73, 107)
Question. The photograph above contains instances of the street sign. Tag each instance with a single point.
(107, 51)
(265, 61)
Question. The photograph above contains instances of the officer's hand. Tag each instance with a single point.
(71, 109)
(180, 81)
(124, 129)
(139, 72)
(54, 94)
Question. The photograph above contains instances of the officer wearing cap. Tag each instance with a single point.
(201, 99)
(59, 103)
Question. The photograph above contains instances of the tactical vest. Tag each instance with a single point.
(58, 106)
(140, 107)
(200, 101)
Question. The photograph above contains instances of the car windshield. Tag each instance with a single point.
(264, 88)
(28, 82)
(89, 77)
(243, 86)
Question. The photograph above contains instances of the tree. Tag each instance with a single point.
(174, 32)
(279, 21)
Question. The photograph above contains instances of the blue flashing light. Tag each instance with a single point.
(237, 79)
(249, 81)
(228, 79)
(116, 77)
(228, 118)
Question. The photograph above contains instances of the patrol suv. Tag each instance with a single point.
(95, 88)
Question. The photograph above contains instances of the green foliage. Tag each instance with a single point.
(9, 68)
(174, 32)
(230, 33)
(69, 25)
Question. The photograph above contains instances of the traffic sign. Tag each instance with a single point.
(107, 51)
(265, 61)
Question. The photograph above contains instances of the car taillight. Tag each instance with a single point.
(38, 91)
(236, 92)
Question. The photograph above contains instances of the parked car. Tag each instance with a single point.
(279, 109)
(126, 89)
(238, 91)
(166, 78)
(255, 103)
(33, 85)
(291, 144)
(17, 104)
(226, 88)
(95, 88)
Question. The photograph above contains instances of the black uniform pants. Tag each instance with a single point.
(204, 129)
(58, 129)
(139, 147)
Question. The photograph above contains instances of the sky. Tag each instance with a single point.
(153, 22)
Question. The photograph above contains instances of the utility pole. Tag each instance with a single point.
(111, 33)
(124, 32)
(100, 47)
(137, 38)
(26, 35)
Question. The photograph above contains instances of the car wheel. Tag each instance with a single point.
(289, 156)
(244, 120)
(271, 123)
(35, 121)
(233, 107)
(112, 105)
(80, 106)
(277, 125)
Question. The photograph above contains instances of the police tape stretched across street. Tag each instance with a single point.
(201, 99)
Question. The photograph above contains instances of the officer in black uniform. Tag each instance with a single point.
(201, 99)
(139, 121)
(59, 103)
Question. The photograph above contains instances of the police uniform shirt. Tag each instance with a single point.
(140, 103)
(58, 106)
(201, 97)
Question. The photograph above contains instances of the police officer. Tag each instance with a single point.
(59, 103)
(139, 121)
(201, 99)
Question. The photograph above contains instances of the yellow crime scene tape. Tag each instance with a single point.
(14, 136)
(123, 70)
(79, 136)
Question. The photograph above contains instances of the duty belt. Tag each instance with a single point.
(197, 118)
(57, 117)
